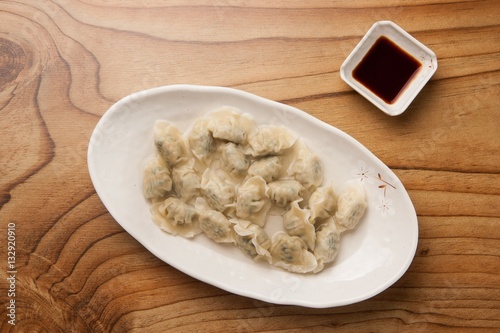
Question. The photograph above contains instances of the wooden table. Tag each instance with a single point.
(63, 63)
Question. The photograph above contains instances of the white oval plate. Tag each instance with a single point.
(371, 258)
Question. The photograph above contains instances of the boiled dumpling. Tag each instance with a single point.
(252, 240)
(169, 142)
(307, 168)
(252, 202)
(268, 168)
(322, 203)
(269, 140)
(282, 192)
(186, 181)
(290, 253)
(327, 244)
(176, 217)
(233, 159)
(351, 205)
(157, 181)
(213, 223)
(223, 175)
(201, 141)
(217, 188)
(230, 124)
(296, 223)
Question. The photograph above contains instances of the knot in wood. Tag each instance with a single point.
(12, 61)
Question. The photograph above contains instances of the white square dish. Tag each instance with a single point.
(408, 47)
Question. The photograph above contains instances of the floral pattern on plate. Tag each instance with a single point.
(368, 175)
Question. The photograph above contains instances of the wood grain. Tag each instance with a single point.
(63, 63)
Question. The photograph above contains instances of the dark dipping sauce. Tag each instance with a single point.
(386, 69)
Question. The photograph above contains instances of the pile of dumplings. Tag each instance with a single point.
(226, 174)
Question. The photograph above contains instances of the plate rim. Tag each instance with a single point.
(147, 93)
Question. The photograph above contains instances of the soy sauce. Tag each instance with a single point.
(386, 69)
